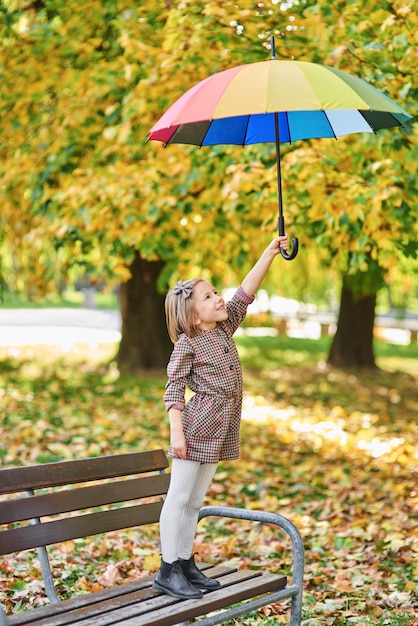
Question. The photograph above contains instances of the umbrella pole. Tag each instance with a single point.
(281, 228)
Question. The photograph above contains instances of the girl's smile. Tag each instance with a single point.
(209, 306)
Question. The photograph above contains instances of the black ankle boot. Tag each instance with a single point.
(171, 580)
(196, 577)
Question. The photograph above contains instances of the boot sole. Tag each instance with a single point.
(179, 596)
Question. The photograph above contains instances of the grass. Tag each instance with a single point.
(261, 353)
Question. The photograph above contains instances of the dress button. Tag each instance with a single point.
(226, 350)
(231, 367)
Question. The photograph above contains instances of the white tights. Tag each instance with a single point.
(189, 483)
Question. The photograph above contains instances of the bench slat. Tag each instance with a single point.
(159, 606)
(47, 533)
(79, 471)
(97, 602)
(62, 613)
(146, 607)
(239, 589)
(160, 610)
(82, 498)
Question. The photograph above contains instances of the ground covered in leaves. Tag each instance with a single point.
(336, 452)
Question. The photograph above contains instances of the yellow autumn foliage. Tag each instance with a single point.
(79, 183)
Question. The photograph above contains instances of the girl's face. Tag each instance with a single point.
(208, 305)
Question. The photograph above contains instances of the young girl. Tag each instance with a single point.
(206, 429)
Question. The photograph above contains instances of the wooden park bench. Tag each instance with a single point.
(54, 502)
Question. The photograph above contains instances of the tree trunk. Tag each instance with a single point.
(352, 345)
(145, 344)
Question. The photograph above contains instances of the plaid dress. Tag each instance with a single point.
(209, 365)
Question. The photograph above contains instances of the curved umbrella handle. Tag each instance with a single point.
(295, 241)
(295, 249)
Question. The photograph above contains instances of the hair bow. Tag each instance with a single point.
(182, 289)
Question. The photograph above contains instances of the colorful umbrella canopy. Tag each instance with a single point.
(276, 101)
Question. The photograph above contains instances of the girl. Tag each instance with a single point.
(206, 429)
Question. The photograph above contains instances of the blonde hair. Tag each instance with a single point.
(180, 310)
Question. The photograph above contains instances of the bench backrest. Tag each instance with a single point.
(83, 486)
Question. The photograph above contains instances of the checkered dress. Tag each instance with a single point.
(209, 365)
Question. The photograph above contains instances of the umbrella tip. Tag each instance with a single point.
(273, 48)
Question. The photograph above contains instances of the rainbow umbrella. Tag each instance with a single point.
(276, 101)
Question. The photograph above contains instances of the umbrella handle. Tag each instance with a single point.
(295, 249)
(295, 242)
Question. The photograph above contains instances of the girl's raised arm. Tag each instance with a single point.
(256, 275)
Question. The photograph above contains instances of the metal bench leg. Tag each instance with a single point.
(296, 610)
(44, 563)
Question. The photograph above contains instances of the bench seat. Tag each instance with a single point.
(136, 603)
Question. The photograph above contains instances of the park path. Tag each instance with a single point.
(20, 327)
(66, 326)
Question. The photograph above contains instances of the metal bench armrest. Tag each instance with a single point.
(298, 560)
